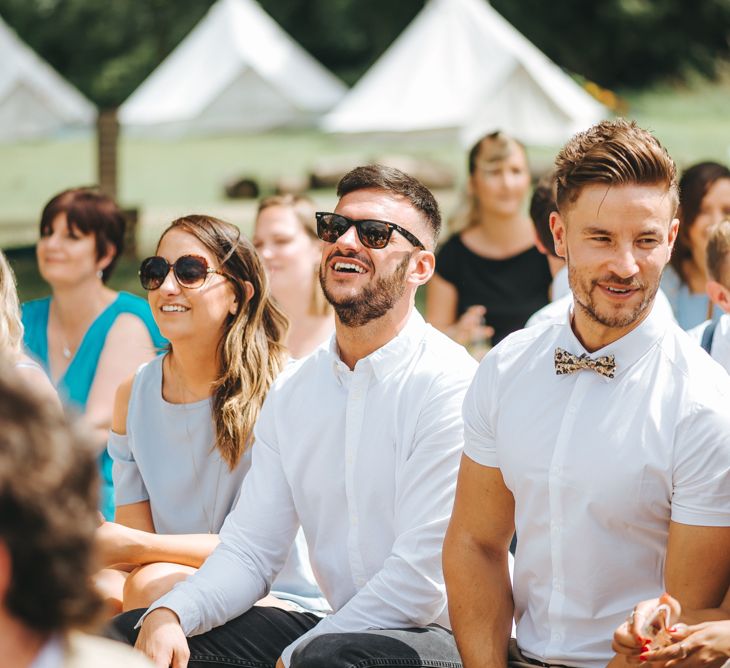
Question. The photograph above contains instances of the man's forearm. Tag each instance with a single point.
(480, 603)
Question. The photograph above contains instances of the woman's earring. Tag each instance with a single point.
(100, 273)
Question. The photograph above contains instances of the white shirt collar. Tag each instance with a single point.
(387, 358)
(627, 350)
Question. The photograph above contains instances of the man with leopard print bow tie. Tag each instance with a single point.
(604, 439)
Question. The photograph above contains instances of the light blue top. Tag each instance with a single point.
(168, 458)
(690, 309)
(74, 385)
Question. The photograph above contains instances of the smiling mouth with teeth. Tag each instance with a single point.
(174, 308)
(348, 268)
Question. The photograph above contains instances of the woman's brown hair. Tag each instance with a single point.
(696, 181)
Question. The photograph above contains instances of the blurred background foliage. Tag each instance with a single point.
(107, 48)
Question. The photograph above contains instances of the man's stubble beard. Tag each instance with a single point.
(584, 300)
(374, 301)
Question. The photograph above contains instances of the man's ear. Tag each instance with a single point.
(557, 227)
(719, 295)
(672, 235)
(423, 265)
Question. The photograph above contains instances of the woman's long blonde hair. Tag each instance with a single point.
(304, 209)
(11, 326)
(251, 353)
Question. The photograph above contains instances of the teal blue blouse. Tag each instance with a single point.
(74, 386)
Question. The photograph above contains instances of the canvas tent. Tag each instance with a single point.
(236, 71)
(461, 67)
(35, 101)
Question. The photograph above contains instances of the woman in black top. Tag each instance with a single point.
(490, 276)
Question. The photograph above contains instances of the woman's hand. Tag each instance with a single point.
(706, 645)
(470, 328)
(116, 544)
(629, 639)
(162, 639)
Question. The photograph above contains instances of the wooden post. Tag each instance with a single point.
(107, 142)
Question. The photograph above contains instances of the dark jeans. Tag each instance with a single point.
(257, 638)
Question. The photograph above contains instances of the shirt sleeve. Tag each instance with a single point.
(256, 539)
(409, 591)
(701, 485)
(480, 414)
(129, 486)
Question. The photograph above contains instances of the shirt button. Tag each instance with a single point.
(557, 637)
(555, 527)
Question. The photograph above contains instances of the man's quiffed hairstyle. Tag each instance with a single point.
(718, 254)
(48, 513)
(617, 153)
(395, 182)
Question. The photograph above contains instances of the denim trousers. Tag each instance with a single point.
(257, 638)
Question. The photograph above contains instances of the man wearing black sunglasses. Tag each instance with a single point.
(359, 443)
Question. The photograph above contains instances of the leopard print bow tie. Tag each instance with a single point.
(566, 362)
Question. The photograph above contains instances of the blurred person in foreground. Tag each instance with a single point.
(360, 443)
(704, 200)
(181, 438)
(490, 274)
(714, 335)
(48, 498)
(285, 236)
(11, 338)
(88, 337)
(602, 438)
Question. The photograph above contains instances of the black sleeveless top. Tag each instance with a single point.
(512, 289)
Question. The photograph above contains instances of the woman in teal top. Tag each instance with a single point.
(88, 337)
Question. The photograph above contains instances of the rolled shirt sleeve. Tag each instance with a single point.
(480, 408)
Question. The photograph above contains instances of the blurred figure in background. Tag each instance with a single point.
(11, 338)
(285, 236)
(714, 335)
(182, 425)
(490, 273)
(48, 499)
(704, 192)
(88, 337)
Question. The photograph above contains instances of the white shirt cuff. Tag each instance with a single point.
(182, 605)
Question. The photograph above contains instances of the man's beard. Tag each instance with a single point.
(373, 301)
(584, 300)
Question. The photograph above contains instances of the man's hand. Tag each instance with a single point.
(161, 638)
(706, 645)
(628, 639)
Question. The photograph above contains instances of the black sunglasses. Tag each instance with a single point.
(372, 233)
(191, 271)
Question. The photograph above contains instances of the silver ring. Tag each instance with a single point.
(685, 651)
(630, 618)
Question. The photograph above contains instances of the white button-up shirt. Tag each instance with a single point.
(598, 467)
(366, 460)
